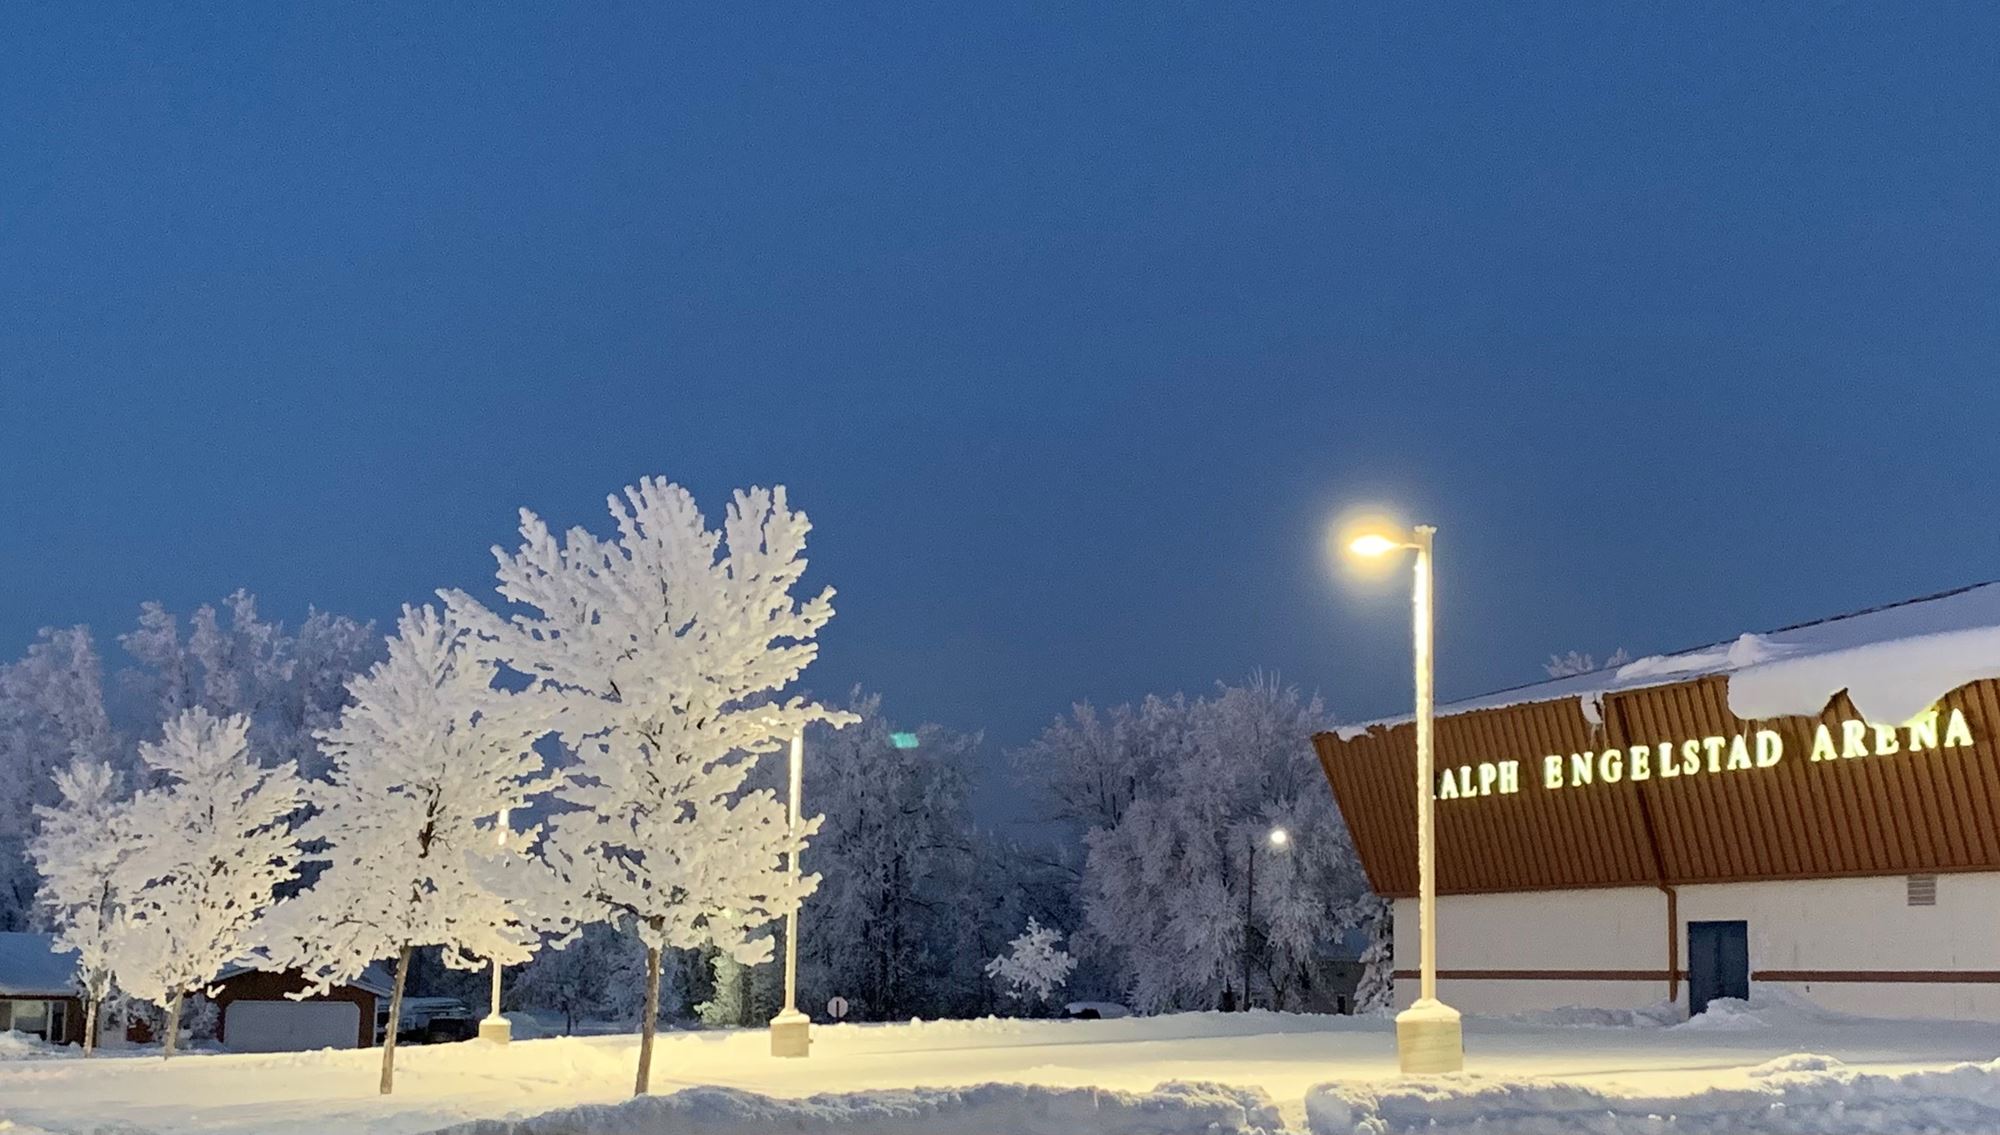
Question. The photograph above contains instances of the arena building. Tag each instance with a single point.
(1815, 808)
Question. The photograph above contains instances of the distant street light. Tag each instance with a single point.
(1429, 1035)
(1279, 839)
(495, 1027)
(791, 1030)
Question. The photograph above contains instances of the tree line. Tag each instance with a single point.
(577, 779)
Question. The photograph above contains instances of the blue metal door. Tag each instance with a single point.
(1718, 962)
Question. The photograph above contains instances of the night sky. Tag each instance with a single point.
(1070, 325)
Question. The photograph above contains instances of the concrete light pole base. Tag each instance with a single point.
(497, 1029)
(791, 1034)
(1429, 1039)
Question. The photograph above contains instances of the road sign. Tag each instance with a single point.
(836, 1007)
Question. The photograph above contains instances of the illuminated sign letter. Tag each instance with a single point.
(1739, 752)
(1611, 766)
(1690, 757)
(1488, 773)
(1582, 767)
(1714, 747)
(1510, 777)
(1770, 748)
(1642, 762)
(1447, 786)
(1924, 732)
(1853, 739)
(1552, 771)
(1886, 744)
(1823, 749)
(1957, 734)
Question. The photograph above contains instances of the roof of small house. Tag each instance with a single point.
(1893, 660)
(31, 966)
(375, 979)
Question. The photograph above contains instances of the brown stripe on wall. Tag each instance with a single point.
(1888, 976)
(1544, 974)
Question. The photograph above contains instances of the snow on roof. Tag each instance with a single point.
(1894, 661)
(30, 966)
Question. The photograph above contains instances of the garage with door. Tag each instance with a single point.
(262, 1011)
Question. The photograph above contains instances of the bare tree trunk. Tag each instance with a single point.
(173, 1023)
(647, 1026)
(91, 1008)
(395, 1022)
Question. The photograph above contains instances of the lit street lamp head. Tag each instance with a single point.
(1280, 838)
(1372, 544)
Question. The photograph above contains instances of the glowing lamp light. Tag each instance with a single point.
(903, 740)
(1373, 544)
(1280, 837)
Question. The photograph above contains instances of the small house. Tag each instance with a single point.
(38, 993)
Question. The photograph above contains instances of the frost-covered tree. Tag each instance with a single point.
(426, 762)
(234, 661)
(1377, 990)
(661, 655)
(1576, 662)
(207, 848)
(899, 861)
(79, 851)
(55, 704)
(1089, 767)
(51, 712)
(741, 995)
(1169, 891)
(1035, 965)
(591, 975)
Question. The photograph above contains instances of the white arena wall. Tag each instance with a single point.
(1851, 945)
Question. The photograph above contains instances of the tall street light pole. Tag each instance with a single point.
(791, 1030)
(1429, 1035)
(495, 1027)
(1279, 839)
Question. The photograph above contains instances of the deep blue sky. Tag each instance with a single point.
(1070, 325)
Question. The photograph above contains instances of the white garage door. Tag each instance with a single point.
(290, 1026)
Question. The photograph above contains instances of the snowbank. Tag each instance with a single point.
(1769, 1006)
(987, 1109)
(21, 1046)
(1803, 1094)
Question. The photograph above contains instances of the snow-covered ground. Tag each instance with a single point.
(1613, 1071)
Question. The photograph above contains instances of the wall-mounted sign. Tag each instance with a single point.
(1701, 756)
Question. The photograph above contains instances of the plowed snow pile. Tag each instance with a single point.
(1801, 1094)
(987, 1109)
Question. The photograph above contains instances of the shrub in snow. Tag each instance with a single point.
(426, 764)
(659, 655)
(206, 850)
(79, 852)
(1035, 965)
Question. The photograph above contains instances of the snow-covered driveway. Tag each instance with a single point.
(1282, 1055)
